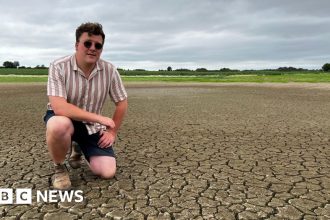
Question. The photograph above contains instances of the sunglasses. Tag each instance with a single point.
(97, 46)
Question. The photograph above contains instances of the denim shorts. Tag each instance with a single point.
(87, 142)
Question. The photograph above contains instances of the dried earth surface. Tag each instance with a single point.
(189, 151)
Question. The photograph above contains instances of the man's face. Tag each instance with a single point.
(88, 49)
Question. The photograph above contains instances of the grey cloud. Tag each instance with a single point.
(205, 33)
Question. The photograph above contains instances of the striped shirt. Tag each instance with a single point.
(65, 79)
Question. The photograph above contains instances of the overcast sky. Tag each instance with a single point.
(155, 34)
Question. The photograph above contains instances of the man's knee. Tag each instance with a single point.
(108, 174)
(59, 126)
(105, 167)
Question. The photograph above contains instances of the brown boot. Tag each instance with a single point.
(75, 158)
(61, 179)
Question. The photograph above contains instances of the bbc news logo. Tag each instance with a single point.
(24, 196)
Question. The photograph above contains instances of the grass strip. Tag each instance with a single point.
(285, 78)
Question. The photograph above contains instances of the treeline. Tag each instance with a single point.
(15, 69)
(222, 72)
(177, 72)
(213, 72)
(15, 64)
(169, 69)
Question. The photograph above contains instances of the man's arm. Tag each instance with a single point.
(118, 115)
(109, 136)
(62, 108)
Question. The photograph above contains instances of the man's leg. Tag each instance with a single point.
(103, 166)
(58, 137)
(75, 158)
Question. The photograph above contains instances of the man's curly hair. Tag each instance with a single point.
(91, 29)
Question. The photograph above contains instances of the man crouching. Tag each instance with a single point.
(77, 88)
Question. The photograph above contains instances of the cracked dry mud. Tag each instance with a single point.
(230, 151)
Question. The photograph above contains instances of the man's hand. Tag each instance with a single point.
(107, 138)
(108, 122)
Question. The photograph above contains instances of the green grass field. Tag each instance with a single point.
(40, 75)
(285, 78)
(23, 71)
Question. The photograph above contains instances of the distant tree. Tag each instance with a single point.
(225, 69)
(182, 69)
(169, 68)
(201, 70)
(290, 68)
(326, 67)
(286, 68)
(8, 64)
(40, 67)
(16, 64)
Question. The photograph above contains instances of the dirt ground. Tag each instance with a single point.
(192, 151)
